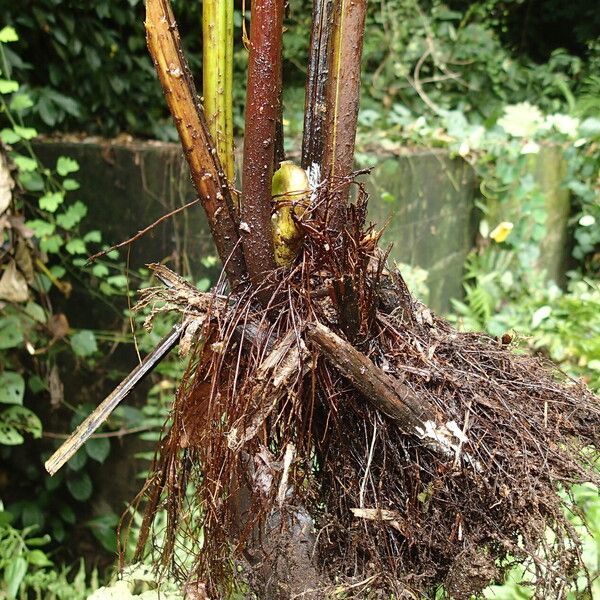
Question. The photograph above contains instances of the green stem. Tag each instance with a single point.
(228, 96)
(217, 66)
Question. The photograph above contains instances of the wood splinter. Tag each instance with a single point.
(70, 446)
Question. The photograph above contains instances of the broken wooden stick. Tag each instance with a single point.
(392, 397)
(68, 448)
(199, 149)
(182, 291)
(414, 415)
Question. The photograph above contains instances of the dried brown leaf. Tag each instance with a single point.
(13, 285)
(24, 260)
(6, 183)
(59, 326)
(55, 387)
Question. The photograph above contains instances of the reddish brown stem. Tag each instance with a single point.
(263, 99)
(199, 149)
(342, 97)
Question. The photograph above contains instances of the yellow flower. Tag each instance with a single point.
(501, 231)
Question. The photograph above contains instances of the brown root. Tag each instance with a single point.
(269, 427)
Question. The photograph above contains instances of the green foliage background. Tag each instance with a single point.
(86, 66)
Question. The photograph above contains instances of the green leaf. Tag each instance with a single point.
(60, 35)
(8, 86)
(540, 315)
(39, 541)
(36, 312)
(51, 244)
(13, 575)
(93, 236)
(58, 530)
(53, 483)
(36, 384)
(24, 163)
(66, 165)
(209, 261)
(80, 486)
(67, 514)
(119, 281)
(8, 34)
(27, 133)
(58, 271)
(76, 246)
(9, 435)
(25, 420)
(9, 136)
(98, 448)
(20, 102)
(11, 333)
(38, 558)
(14, 421)
(71, 185)
(12, 388)
(41, 228)
(48, 111)
(104, 529)
(72, 216)
(32, 181)
(100, 270)
(6, 518)
(32, 516)
(84, 343)
(50, 201)
(67, 104)
(203, 284)
(78, 461)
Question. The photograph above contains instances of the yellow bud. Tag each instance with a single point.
(291, 192)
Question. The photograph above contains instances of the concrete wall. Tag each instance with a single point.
(127, 187)
(428, 203)
(426, 199)
(549, 169)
